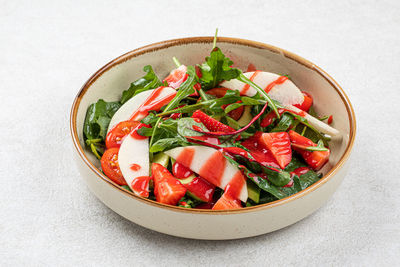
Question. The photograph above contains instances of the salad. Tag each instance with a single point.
(210, 136)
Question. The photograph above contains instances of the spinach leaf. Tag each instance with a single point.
(216, 69)
(147, 82)
(185, 127)
(98, 116)
(308, 179)
(276, 177)
(97, 119)
(168, 143)
(295, 163)
(262, 183)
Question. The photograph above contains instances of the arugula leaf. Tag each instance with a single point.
(232, 107)
(217, 69)
(147, 82)
(212, 104)
(284, 124)
(97, 119)
(185, 89)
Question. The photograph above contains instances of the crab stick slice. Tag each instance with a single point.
(133, 154)
(210, 164)
(279, 88)
(319, 125)
(131, 109)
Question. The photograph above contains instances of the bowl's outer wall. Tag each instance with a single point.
(202, 225)
(219, 225)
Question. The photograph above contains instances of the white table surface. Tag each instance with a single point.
(49, 49)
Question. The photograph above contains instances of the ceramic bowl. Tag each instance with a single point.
(108, 83)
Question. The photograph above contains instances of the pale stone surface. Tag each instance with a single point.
(49, 49)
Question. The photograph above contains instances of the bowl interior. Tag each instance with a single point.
(109, 82)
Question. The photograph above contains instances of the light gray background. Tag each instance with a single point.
(49, 49)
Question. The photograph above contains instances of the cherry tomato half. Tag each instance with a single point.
(117, 134)
(110, 166)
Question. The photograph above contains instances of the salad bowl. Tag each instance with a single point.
(108, 82)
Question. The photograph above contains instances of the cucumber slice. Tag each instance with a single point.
(246, 116)
(253, 191)
(161, 158)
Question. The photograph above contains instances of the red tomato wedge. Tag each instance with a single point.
(279, 145)
(259, 151)
(119, 132)
(110, 166)
(201, 189)
(307, 102)
(225, 202)
(180, 171)
(176, 77)
(315, 159)
(167, 188)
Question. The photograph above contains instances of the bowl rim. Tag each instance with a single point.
(209, 39)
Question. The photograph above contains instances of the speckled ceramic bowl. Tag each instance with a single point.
(108, 83)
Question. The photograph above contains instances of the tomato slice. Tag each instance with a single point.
(307, 102)
(167, 188)
(225, 202)
(279, 145)
(180, 171)
(119, 132)
(201, 188)
(314, 159)
(110, 166)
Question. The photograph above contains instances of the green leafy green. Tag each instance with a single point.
(213, 104)
(216, 69)
(168, 143)
(295, 163)
(188, 202)
(147, 82)
(286, 121)
(98, 117)
(185, 89)
(185, 127)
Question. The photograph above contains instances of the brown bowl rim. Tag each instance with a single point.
(208, 39)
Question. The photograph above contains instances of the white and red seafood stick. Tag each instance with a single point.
(279, 88)
(210, 164)
(282, 89)
(135, 108)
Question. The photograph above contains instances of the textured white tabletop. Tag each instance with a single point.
(49, 49)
